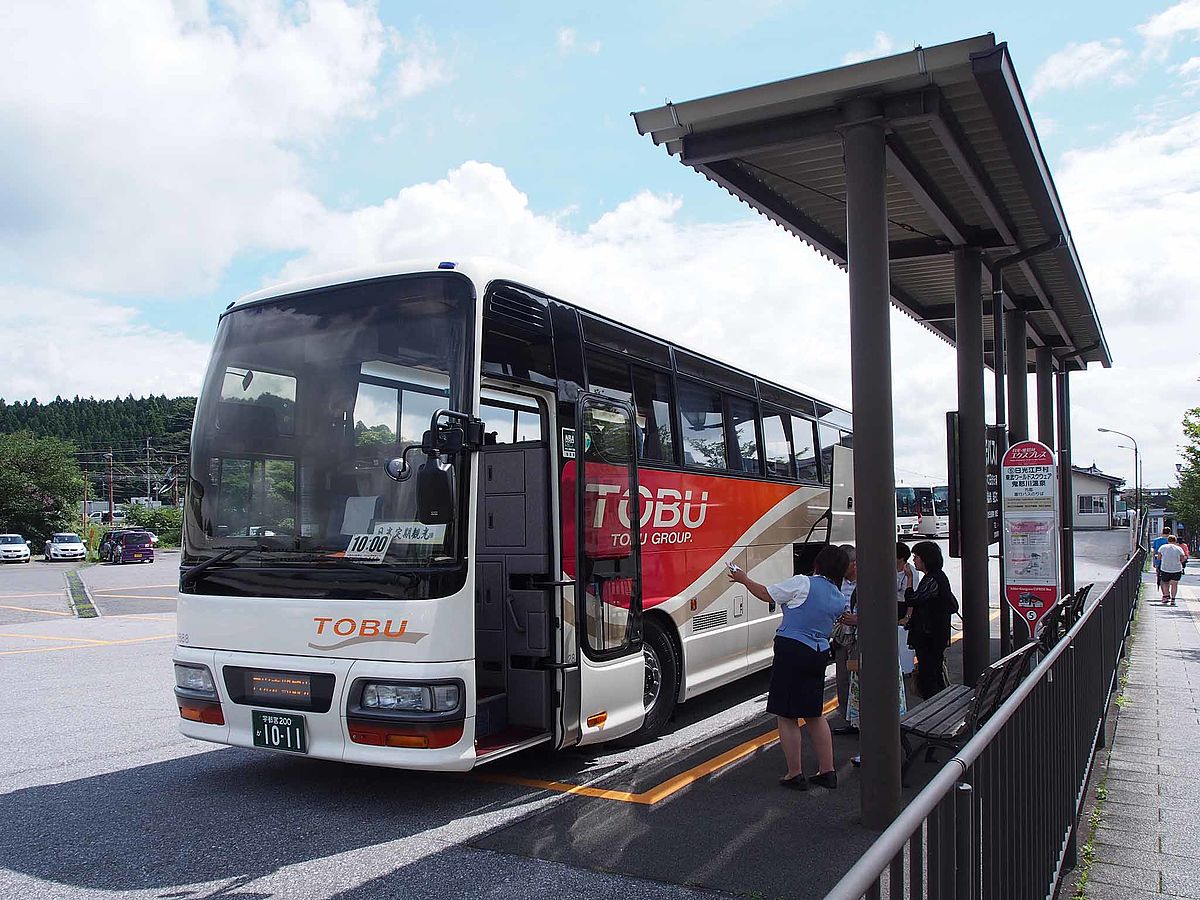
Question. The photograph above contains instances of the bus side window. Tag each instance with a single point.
(703, 437)
(743, 417)
(777, 445)
(803, 443)
(652, 405)
(829, 437)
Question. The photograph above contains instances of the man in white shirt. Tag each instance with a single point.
(1171, 560)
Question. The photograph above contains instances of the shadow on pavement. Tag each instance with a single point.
(225, 814)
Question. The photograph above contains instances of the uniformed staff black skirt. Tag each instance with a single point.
(797, 680)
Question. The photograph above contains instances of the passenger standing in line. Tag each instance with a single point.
(845, 640)
(811, 606)
(932, 604)
(906, 580)
(1171, 559)
(1155, 547)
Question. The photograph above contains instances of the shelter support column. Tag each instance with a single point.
(874, 465)
(1066, 502)
(1045, 397)
(968, 326)
(1016, 365)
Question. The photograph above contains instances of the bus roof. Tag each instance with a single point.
(482, 271)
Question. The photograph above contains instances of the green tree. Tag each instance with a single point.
(164, 521)
(1185, 499)
(40, 485)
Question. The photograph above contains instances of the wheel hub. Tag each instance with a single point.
(653, 676)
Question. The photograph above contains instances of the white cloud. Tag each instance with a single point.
(568, 43)
(881, 45)
(421, 66)
(71, 344)
(1133, 204)
(1177, 21)
(148, 144)
(1189, 72)
(1078, 64)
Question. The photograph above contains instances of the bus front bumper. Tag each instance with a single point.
(328, 732)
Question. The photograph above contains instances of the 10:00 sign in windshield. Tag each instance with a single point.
(305, 401)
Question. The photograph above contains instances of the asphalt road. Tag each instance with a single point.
(100, 795)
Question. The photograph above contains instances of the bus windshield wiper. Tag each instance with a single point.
(233, 553)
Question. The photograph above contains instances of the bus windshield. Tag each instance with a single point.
(941, 500)
(306, 399)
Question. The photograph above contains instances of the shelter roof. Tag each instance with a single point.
(964, 168)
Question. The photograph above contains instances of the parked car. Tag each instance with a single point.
(14, 548)
(133, 546)
(105, 548)
(64, 546)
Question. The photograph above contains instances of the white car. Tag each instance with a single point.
(64, 545)
(14, 548)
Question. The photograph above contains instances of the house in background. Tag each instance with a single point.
(1094, 497)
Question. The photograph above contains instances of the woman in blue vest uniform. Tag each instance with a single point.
(811, 606)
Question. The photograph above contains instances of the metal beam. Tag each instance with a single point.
(905, 169)
(972, 469)
(922, 248)
(1045, 396)
(741, 183)
(816, 128)
(948, 131)
(874, 460)
(1066, 495)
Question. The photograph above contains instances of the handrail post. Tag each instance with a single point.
(964, 851)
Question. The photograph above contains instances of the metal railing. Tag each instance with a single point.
(999, 820)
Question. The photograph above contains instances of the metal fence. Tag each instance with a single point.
(1000, 819)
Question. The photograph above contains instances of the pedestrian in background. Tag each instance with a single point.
(906, 580)
(845, 637)
(811, 606)
(932, 603)
(1171, 560)
(1155, 547)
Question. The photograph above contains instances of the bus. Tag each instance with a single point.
(436, 515)
(916, 510)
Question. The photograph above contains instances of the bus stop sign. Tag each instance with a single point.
(1029, 481)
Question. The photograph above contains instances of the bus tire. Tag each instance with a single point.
(662, 681)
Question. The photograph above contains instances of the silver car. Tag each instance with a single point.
(14, 548)
(64, 546)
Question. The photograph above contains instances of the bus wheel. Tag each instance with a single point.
(662, 681)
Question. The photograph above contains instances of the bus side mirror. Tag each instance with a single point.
(435, 492)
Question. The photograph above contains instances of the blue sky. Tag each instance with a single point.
(163, 158)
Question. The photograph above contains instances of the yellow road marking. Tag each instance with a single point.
(49, 612)
(87, 646)
(23, 596)
(138, 587)
(662, 791)
(43, 637)
(103, 595)
(139, 616)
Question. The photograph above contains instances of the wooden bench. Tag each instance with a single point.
(1055, 623)
(950, 717)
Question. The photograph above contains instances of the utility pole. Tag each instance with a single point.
(175, 482)
(110, 486)
(147, 471)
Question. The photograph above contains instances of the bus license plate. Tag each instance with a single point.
(278, 731)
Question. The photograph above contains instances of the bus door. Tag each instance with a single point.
(608, 575)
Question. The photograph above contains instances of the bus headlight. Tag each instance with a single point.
(427, 698)
(195, 678)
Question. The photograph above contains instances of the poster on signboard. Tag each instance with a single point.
(1029, 488)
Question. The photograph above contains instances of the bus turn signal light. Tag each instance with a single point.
(403, 734)
(598, 720)
(206, 711)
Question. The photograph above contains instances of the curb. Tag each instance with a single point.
(79, 597)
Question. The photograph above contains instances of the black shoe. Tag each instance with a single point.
(797, 783)
(825, 780)
(845, 729)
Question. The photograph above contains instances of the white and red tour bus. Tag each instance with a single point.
(436, 515)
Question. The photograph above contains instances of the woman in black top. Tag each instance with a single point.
(932, 604)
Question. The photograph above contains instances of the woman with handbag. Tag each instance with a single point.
(932, 604)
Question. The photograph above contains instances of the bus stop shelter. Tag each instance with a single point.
(921, 174)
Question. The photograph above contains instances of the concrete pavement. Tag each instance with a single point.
(1147, 843)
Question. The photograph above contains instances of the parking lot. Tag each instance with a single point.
(100, 795)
